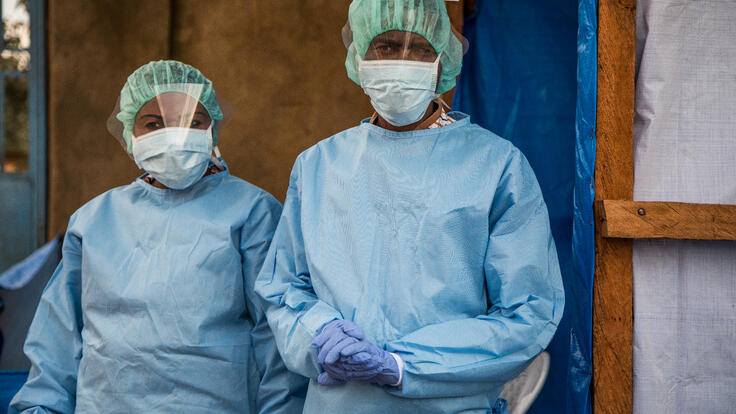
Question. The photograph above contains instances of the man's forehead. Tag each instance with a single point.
(401, 36)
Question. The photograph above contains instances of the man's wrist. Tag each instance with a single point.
(400, 364)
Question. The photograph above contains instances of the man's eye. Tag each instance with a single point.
(195, 123)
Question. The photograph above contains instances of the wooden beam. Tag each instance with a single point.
(614, 179)
(664, 220)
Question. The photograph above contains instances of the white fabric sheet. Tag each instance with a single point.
(685, 150)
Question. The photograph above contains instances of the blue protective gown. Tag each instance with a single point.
(436, 243)
(152, 307)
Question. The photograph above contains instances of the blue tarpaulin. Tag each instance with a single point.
(10, 383)
(23, 272)
(530, 77)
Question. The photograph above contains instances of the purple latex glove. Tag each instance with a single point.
(331, 340)
(335, 336)
(364, 361)
(325, 378)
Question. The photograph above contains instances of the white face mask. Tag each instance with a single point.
(400, 90)
(176, 157)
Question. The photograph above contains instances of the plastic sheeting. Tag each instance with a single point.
(21, 273)
(685, 148)
(21, 306)
(580, 368)
(519, 80)
(10, 383)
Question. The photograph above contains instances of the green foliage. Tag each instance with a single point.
(15, 90)
(16, 114)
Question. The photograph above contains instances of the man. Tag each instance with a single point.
(413, 268)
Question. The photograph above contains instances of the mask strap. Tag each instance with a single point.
(216, 158)
(442, 101)
(437, 96)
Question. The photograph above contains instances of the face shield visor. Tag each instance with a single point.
(418, 31)
(403, 53)
(172, 135)
(401, 72)
(400, 45)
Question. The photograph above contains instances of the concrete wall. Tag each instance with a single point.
(93, 46)
(280, 63)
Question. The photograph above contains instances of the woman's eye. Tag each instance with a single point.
(195, 123)
(154, 125)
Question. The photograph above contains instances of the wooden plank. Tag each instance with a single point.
(665, 220)
(614, 179)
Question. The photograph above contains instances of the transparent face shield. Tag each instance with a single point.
(399, 45)
(407, 46)
(176, 110)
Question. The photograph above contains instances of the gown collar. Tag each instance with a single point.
(460, 118)
(193, 191)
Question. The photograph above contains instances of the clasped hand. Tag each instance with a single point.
(345, 356)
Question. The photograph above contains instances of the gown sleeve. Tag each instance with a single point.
(280, 391)
(54, 342)
(294, 311)
(524, 286)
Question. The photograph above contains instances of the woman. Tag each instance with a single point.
(152, 306)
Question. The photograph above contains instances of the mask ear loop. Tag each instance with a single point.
(216, 159)
(442, 101)
(438, 97)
